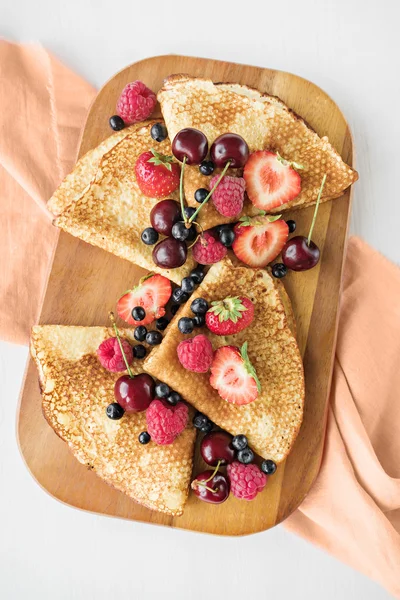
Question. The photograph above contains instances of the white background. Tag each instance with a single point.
(351, 49)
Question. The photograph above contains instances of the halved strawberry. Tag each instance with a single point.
(233, 375)
(152, 293)
(270, 180)
(258, 241)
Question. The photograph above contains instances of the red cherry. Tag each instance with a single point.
(229, 147)
(192, 144)
(216, 447)
(170, 253)
(164, 215)
(211, 488)
(134, 394)
(297, 255)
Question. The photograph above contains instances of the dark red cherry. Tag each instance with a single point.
(134, 394)
(192, 144)
(170, 253)
(232, 147)
(297, 255)
(164, 215)
(216, 446)
(214, 490)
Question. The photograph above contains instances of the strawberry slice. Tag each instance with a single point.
(233, 375)
(152, 293)
(270, 180)
(259, 240)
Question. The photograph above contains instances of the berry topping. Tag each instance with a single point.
(180, 231)
(144, 437)
(268, 467)
(188, 285)
(258, 241)
(270, 180)
(149, 236)
(189, 211)
(162, 323)
(165, 422)
(170, 253)
(292, 225)
(207, 167)
(200, 420)
(152, 293)
(164, 215)
(216, 449)
(185, 325)
(114, 411)
(154, 338)
(211, 486)
(197, 275)
(279, 270)
(140, 333)
(190, 145)
(199, 320)
(199, 306)
(159, 132)
(196, 354)
(229, 148)
(134, 394)
(228, 198)
(207, 427)
(110, 355)
(245, 456)
(136, 102)
(226, 236)
(156, 174)
(208, 250)
(174, 398)
(239, 442)
(116, 123)
(233, 375)
(179, 296)
(229, 316)
(200, 195)
(246, 480)
(162, 390)
(138, 313)
(139, 351)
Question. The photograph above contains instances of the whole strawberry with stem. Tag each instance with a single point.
(157, 175)
(230, 316)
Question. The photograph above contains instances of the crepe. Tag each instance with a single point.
(265, 122)
(76, 390)
(111, 211)
(272, 421)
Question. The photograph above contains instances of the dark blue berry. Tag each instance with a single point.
(153, 338)
(268, 467)
(180, 231)
(144, 437)
(226, 236)
(199, 320)
(116, 123)
(188, 285)
(158, 132)
(174, 398)
(114, 411)
(185, 325)
(199, 306)
(245, 456)
(292, 225)
(199, 420)
(179, 296)
(149, 236)
(162, 390)
(197, 275)
(207, 167)
(162, 323)
(207, 427)
(140, 333)
(192, 234)
(239, 442)
(279, 270)
(139, 351)
(138, 313)
(200, 195)
(189, 211)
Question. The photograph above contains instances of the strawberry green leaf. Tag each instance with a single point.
(228, 309)
(248, 366)
(161, 159)
(273, 218)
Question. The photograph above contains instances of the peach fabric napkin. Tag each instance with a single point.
(353, 510)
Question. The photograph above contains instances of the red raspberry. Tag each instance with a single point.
(228, 198)
(208, 250)
(196, 354)
(136, 102)
(166, 422)
(246, 480)
(110, 355)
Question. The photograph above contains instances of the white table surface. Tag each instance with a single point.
(348, 47)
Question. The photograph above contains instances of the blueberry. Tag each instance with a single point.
(279, 270)
(199, 306)
(162, 323)
(138, 313)
(162, 390)
(139, 351)
(144, 437)
(188, 285)
(200, 420)
(174, 309)
(158, 132)
(174, 398)
(153, 338)
(185, 325)
(268, 467)
(149, 236)
(199, 320)
(239, 442)
(207, 427)
(116, 123)
(180, 231)
(140, 333)
(197, 275)
(226, 236)
(179, 296)
(200, 195)
(207, 167)
(245, 456)
(189, 211)
(114, 411)
(192, 234)
(292, 225)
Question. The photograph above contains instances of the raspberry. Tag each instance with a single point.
(166, 422)
(208, 250)
(229, 196)
(246, 480)
(136, 102)
(196, 354)
(110, 355)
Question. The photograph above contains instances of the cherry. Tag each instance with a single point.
(229, 147)
(216, 448)
(170, 253)
(211, 487)
(134, 394)
(297, 255)
(164, 215)
(191, 145)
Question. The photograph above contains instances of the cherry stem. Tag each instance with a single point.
(210, 193)
(316, 210)
(203, 484)
(112, 319)
(181, 190)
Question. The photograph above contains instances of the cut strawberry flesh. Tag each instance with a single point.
(259, 244)
(153, 294)
(230, 377)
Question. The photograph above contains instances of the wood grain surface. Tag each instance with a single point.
(85, 282)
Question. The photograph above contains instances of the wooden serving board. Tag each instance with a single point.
(85, 282)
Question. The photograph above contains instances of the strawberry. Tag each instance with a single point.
(229, 316)
(152, 293)
(271, 180)
(259, 240)
(233, 375)
(156, 174)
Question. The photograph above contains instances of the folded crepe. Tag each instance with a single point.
(265, 122)
(101, 203)
(272, 421)
(76, 390)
